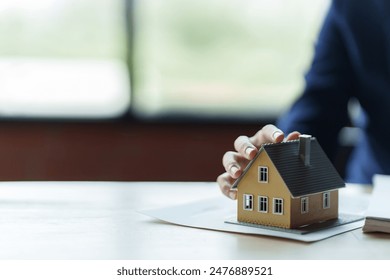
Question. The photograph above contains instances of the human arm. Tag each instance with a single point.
(322, 109)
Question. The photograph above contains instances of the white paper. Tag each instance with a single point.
(212, 213)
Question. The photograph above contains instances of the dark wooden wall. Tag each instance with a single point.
(120, 151)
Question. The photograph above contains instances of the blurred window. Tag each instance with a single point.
(66, 58)
(63, 58)
(222, 57)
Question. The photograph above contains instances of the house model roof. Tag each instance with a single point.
(301, 178)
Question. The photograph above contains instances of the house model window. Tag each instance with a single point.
(326, 200)
(304, 205)
(263, 174)
(248, 202)
(263, 204)
(278, 206)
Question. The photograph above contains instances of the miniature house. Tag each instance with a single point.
(288, 185)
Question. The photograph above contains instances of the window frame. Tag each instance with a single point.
(277, 206)
(262, 204)
(326, 200)
(263, 174)
(247, 204)
(304, 205)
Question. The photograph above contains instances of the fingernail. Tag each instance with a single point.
(233, 195)
(233, 169)
(276, 134)
(249, 150)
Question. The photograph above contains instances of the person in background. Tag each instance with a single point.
(351, 62)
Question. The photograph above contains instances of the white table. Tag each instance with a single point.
(98, 220)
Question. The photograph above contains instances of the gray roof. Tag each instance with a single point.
(301, 180)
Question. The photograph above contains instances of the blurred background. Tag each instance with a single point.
(144, 89)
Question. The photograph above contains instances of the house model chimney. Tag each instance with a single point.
(304, 148)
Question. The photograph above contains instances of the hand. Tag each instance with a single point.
(246, 149)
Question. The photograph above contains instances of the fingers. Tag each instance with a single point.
(234, 163)
(246, 150)
(225, 182)
(268, 134)
(248, 147)
(293, 136)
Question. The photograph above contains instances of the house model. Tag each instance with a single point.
(288, 185)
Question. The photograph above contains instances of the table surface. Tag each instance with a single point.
(99, 220)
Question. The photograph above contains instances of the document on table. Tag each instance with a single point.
(219, 214)
(378, 212)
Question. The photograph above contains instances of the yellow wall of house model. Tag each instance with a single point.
(275, 188)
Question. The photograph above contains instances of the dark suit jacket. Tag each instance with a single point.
(351, 62)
